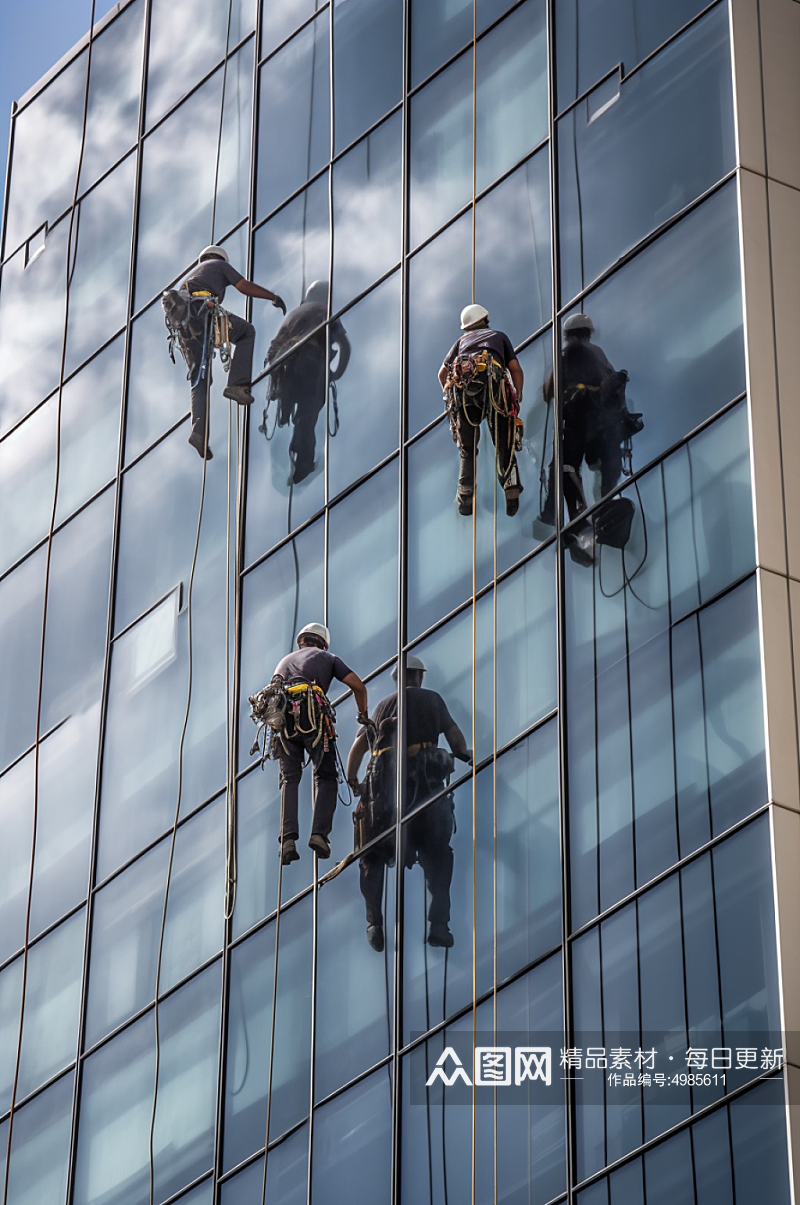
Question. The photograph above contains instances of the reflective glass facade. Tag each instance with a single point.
(180, 1020)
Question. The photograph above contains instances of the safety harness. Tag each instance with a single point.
(279, 350)
(477, 381)
(189, 316)
(301, 709)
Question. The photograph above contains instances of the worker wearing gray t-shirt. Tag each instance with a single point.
(211, 277)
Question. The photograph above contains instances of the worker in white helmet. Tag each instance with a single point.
(209, 278)
(307, 671)
(482, 378)
(428, 831)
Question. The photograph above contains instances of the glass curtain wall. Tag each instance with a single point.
(600, 873)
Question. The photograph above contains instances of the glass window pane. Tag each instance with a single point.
(367, 64)
(758, 1141)
(366, 211)
(362, 549)
(352, 1151)
(179, 167)
(354, 981)
(279, 21)
(626, 1186)
(713, 1170)
(201, 33)
(20, 646)
(16, 820)
(287, 1175)
(40, 1145)
(294, 115)
(52, 1003)
(47, 137)
(367, 434)
(278, 599)
(250, 1034)
(98, 298)
(441, 148)
(114, 90)
(126, 925)
(668, 1171)
(672, 318)
(603, 212)
(591, 39)
(441, 27)
(31, 326)
(10, 1004)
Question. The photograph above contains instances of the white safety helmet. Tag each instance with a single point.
(217, 252)
(472, 315)
(578, 322)
(412, 663)
(315, 629)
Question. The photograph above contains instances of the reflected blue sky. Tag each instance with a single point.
(33, 36)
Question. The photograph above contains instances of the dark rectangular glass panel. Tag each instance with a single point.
(367, 64)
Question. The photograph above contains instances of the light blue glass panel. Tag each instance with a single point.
(258, 815)
(31, 326)
(529, 1139)
(352, 1144)
(279, 21)
(511, 82)
(250, 1034)
(98, 297)
(758, 1142)
(367, 432)
(114, 90)
(47, 136)
(605, 212)
(367, 64)
(591, 39)
(528, 913)
(287, 1175)
(16, 819)
(355, 984)
(20, 643)
(366, 210)
(202, 1195)
(362, 550)
(278, 599)
(189, 1024)
(672, 318)
(441, 27)
(186, 40)
(113, 1159)
(294, 115)
(52, 1004)
(126, 926)
(180, 172)
(10, 1004)
(40, 1148)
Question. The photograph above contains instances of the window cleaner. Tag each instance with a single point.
(196, 320)
(428, 771)
(597, 427)
(300, 352)
(482, 379)
(296, 709)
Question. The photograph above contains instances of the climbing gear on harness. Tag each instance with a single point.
(190, 317)
(300, 709)
(315, 629)
(479, 382)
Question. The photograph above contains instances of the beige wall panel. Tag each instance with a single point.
(748, 94)
(786, 855)
(784, 214)
(793, 1100)
(761, 380)
(779, 695)
(780, 52)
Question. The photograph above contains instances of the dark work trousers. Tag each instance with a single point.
(501, 429)
(326, 780)
(583, 441)
(427, 840)
(243, 337)
(300, 388)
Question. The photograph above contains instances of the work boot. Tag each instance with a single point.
(512, 499)
(464, 503)
(375, 937)
(440, 935)
(198, 441)
(239, 393)
(320, 845)
(289, 852)
(302, 471)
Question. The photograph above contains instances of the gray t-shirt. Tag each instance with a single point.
(312, 665)
(214, 275)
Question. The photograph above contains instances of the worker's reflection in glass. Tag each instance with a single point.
(301, 352)
(426, 836)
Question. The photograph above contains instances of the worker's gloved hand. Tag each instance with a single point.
(279, 303)
(466, 756)
(355, 787)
